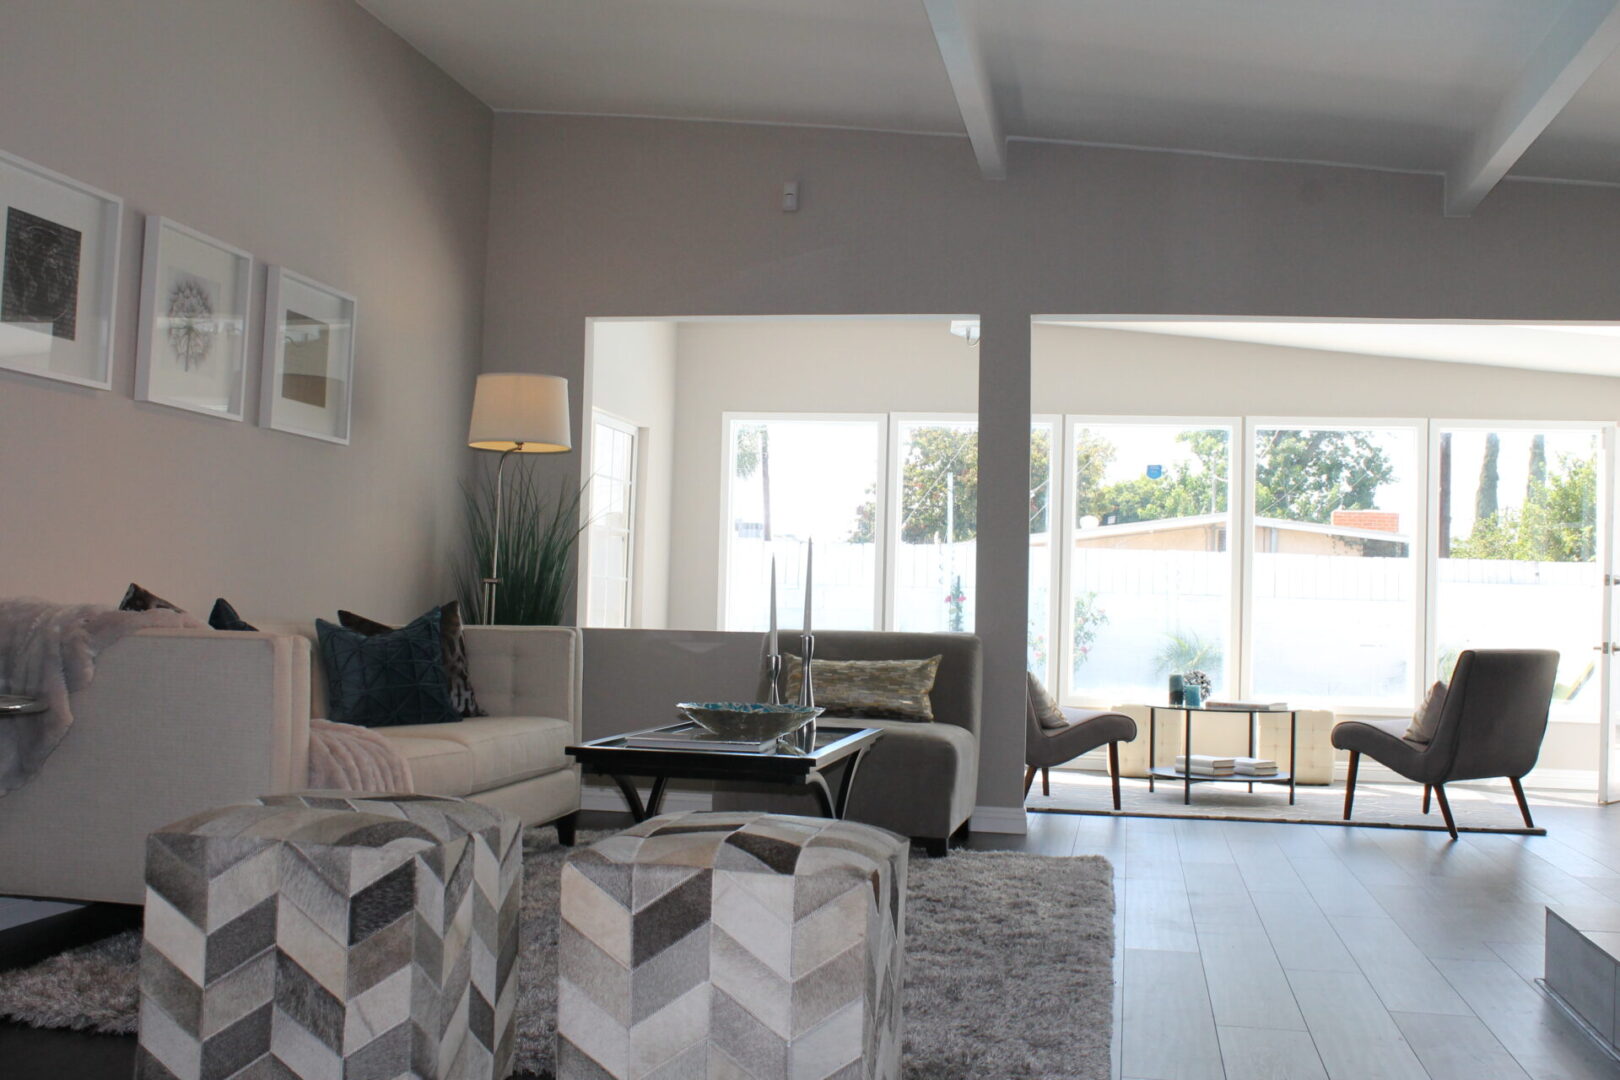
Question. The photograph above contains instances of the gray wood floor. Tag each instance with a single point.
(1291, 952)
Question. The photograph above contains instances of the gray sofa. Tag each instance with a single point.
(919, 779)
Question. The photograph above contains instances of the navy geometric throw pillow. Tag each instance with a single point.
(386, 680)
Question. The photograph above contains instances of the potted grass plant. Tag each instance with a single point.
(539, 534)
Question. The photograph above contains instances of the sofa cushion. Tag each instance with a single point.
(438, 766)
(386, 680)
(454, 652)
(888, 689)
(498, 750)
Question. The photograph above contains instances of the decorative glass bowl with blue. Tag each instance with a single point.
(748, 721)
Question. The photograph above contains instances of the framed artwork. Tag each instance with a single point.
(192, 352)
(308, 357)
(58, 274)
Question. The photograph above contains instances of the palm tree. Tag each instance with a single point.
(754, 452)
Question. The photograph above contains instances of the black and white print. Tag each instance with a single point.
(40, 287)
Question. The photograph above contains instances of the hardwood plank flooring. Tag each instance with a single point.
(1264, 951)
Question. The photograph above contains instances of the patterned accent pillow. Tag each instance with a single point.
(884, 689)
(1427, 719)
(457, 674)
(224, 617)
(1047, 713)
(137, 598)
(388, 679)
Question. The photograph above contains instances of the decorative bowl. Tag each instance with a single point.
(746, 719)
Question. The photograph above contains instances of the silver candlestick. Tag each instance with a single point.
(773, 668)
(807, 688)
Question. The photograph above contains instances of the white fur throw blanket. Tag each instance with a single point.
(49, 651)
(345, 757)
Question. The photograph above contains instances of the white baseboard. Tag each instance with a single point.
(999, 819)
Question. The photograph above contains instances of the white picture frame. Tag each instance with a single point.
(195, 298)
(308, 370)
(58, 274)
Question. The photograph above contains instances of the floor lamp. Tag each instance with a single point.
(515, 414)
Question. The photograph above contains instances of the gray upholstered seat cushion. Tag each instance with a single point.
(481, 753)
(1087, 729)
(1385, 740)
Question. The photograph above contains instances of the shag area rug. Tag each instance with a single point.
(1477, 807)
(1009, 969)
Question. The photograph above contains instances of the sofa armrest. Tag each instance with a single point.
(174, 722)
(528, 670)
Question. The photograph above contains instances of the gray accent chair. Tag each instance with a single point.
(1491, 725)
(1088, 729)
(919, 779)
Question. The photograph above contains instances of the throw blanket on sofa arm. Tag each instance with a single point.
(345, 757)
(49, 651)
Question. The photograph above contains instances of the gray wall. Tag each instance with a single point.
(649, 218)
(308, 134)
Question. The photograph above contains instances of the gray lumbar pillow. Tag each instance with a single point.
(1047, 713)
(1427, 719)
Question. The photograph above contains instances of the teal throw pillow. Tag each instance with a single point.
(386, 680)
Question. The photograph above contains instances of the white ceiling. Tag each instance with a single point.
(1582, 348)
(1400, 84)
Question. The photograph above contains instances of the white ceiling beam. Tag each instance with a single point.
(964, 64)
(1582, 38)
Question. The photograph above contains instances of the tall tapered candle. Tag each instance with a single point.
(809, 562)
(773, 650)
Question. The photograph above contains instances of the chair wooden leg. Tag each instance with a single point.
(1029, 779)
(1428, 789)
(1113, 770)
(1350, 783)
(1046, 782)
(1445, 809)
(1524, 807)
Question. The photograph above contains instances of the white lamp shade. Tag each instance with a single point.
(527, 413)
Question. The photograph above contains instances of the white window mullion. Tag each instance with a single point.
(1241, 502)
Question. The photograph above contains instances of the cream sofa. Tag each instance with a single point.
(177, 721)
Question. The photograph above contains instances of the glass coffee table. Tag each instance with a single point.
(836, 749)
(1159, 772)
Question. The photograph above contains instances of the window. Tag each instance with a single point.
(890, 500)
(1286, 558)
(1517, 545)
(1151, 568)
(1043, 511)
(1333, 587)
(611, 532)
(790, 480)
(936, 538)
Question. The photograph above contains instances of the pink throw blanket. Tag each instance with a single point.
(345, 757)
(49, 651)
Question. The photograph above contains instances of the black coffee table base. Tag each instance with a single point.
(838, 749)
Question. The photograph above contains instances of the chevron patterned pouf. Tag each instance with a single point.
(325, 936)
(734, 945)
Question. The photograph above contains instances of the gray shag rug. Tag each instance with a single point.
(1009, 969)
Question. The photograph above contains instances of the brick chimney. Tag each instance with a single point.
(1370, 520)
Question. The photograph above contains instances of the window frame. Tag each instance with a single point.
(1062, 611)
(633, 532)
(728, 475)
(1423, 507)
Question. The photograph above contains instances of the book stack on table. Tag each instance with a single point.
(1206, 765)
(1255, 766)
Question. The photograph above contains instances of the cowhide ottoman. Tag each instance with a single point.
(733, 945)
(332, 936)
